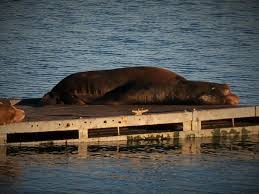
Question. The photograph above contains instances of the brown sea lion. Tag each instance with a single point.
(5, 101)
(10, 114)
(137, 85)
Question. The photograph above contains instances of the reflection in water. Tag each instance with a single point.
(135, 166)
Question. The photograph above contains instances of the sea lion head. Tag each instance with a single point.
(10, 114)
(214, 94)
(50, 99)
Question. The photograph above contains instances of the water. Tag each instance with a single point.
(43, 41)
(191, 166)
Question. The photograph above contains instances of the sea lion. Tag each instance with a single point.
(137, 85)
(5, 101)
(10, 114)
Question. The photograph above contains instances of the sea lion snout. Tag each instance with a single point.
(226, 91)
(214, 93)
(226, 96)
(232, 99)
(229, 97)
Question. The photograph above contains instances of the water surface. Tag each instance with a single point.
(43, 41)
(190, 166)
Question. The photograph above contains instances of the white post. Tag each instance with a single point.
(187, 125)
(83, 135)
(196, 123)
(3, 139)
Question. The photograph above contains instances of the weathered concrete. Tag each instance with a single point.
(224, 113)
(257, 111)
(236, 132)
(67, 118)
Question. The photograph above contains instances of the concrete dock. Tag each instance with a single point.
(96, 123)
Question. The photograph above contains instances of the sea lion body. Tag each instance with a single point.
(136, 85)
(10, 114)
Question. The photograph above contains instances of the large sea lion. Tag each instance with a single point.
(10, 114)
(137, 85)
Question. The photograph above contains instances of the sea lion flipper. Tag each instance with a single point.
(68, 98)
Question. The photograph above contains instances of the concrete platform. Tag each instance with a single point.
(93, 123)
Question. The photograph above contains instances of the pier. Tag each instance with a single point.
(99, 123)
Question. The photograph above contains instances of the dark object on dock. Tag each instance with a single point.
(137, 85)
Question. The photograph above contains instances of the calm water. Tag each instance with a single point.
(193, 166)
(42, 41)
